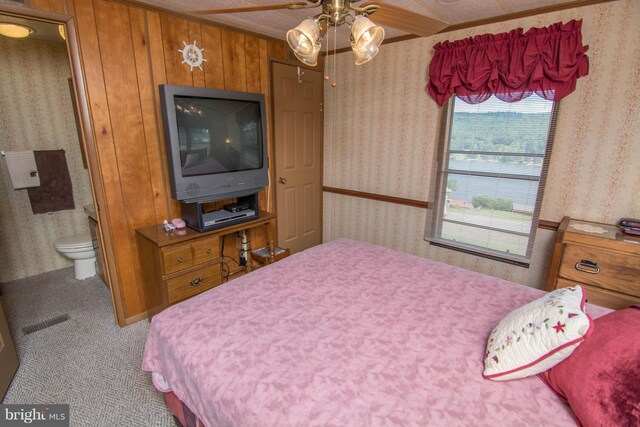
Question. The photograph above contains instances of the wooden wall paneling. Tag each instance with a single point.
(122, 71)
(146, 84)
(233, 53)
(265, 198)
(269, 49)
(278, 49)
(158, 61)
(88, 139)
(213, 68)
(123, 92)
(105, 152)
(57, 6)
(88, 136)
(252, 58)
(195, 35)
(175, 32)
(265, 76)
(254, 84)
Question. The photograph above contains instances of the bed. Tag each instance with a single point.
(346, 333)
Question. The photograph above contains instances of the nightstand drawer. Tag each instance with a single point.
(205, 250)
(176, 258)
(192, 283)
(615, 271)
(602, 297)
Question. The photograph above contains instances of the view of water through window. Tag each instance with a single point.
(493, 167)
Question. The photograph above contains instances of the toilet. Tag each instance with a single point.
(79, 248)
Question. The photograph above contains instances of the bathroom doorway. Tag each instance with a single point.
(43, 108)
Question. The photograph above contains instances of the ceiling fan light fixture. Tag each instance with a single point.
(364, 56)
(304, 39)
(310, 59)
(366, 36)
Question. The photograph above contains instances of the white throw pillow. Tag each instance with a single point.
(537, 336)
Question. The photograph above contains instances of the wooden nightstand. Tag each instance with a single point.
(601, 259)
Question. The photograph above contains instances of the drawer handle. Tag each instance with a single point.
(208, 251)
(196, 281)
(180, 259)
(587, 266)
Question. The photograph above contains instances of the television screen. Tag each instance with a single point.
(218, 135)
(216, 142)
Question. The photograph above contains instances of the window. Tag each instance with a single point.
(492, 164)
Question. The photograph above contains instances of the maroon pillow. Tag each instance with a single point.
(601, 378)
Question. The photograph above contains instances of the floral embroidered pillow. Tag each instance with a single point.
(537, 336)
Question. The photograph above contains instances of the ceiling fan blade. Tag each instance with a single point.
(405, 20)
(297, 5)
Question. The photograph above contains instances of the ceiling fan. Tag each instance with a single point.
(366, 37)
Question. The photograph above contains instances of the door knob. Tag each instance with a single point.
(282, 180)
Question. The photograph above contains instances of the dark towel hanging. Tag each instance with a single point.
(55, 192)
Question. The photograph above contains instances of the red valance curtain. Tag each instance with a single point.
(512, 65)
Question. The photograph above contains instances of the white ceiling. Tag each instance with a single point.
(276, 23)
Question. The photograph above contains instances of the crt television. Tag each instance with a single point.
(216, 142)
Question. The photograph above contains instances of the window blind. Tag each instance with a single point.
(491, 169)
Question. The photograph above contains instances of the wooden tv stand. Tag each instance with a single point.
(183, 263)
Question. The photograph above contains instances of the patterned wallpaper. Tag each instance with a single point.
(36, 114)
(381, 128)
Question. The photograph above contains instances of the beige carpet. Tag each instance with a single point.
(87, 361)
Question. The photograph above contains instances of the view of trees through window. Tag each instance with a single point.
(494, 161)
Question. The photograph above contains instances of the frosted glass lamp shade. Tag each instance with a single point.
(304, 38)
(362, 57)
(366, 38)
(310, 59)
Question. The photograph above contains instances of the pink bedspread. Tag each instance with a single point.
(346, 334)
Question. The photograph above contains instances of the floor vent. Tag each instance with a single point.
(44, 325)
